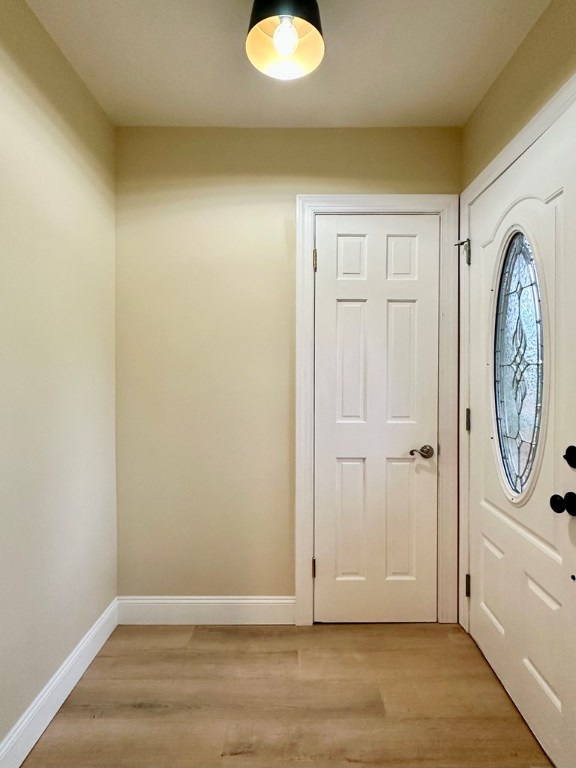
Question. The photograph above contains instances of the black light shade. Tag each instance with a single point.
(297, 50)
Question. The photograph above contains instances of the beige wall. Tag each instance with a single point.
(57, 486)
(206, 268)
(206, 235)
(544, 62)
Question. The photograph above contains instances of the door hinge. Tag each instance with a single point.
(315, 259)
(313, 567)
(467, 249)
(467, 585)
(468, 420)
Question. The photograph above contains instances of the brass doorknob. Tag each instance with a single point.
(426, 451)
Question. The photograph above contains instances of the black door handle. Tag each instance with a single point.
(570, 456)
(566, 503)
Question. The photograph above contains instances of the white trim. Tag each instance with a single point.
(538, 125)
(205, 610)
(464, 436)
(308, 207)
(21, 738)
(550, 113)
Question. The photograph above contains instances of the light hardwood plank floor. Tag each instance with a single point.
(393, 695)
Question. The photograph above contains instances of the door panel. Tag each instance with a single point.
(523, 554)
(376, 398)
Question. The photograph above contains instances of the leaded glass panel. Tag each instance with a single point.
(518, 366)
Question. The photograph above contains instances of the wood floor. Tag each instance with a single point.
(323, 696)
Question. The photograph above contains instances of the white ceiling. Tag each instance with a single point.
(388, 62)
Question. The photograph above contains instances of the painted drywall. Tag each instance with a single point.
(57, 457)
(541, 65)
(206, 321)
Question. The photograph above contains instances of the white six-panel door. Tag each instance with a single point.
(376, 369)
(523, 555)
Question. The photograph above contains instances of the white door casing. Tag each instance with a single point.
(445, 207)
(376, 381)
(522, 554)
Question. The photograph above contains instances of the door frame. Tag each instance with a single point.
(544, 119)
(446, 207)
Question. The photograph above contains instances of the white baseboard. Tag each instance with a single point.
(205, 610)
(21, 738)
(17, 744)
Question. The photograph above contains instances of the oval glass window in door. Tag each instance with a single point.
(518, 363)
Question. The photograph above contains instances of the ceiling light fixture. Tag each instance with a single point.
(285, 38)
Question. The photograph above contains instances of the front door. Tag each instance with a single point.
(376, 401)
(523, 417)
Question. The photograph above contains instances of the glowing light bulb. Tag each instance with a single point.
(285, 37)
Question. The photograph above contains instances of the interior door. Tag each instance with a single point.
(523, 416)
(376, 400)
